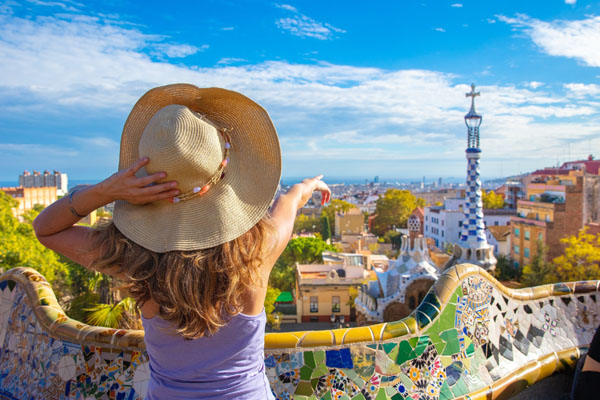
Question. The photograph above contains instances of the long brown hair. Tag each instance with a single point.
(198, 291)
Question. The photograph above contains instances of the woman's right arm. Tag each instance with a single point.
(285, 209)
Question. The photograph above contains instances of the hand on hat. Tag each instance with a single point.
(124, 185)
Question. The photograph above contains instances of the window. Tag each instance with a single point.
(335, 304)
(459, 224)
(537, 216)
(314, 304)
(496, 223)
(442, 222)
(526, 252)
(526, 235)
(541, 237)
(517, 232)
(547, 218)
(516, 264)
(442, 233)
(516, 249)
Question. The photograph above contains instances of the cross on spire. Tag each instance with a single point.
(472, 95)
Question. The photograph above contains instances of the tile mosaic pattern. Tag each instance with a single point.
(473, 230)
(470, 335)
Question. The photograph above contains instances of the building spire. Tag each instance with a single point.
(472, 94)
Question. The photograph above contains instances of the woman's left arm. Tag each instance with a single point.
(55, 226)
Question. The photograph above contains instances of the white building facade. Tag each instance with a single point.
(444, 223)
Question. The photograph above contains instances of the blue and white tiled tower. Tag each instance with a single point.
(473, 246)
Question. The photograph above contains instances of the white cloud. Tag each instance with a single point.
(535, 84)
(440, 29)
(578, 39)
(287, 7)
(63, 64)
(178, 50)
(582, 89)
(230, 60)
(55, 4)
(304, 26)
(227, 28)
(456, 5)
(570, 1)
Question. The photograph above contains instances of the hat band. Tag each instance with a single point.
(216, 177)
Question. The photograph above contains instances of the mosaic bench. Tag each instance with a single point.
(471, 338)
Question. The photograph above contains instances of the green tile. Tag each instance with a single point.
(422, 345)
(387, 347)
(320, 371)
(359, 397)
(447, 317)
(450, 336)
(306, 372)
(381, 395)
(319, 356)
(394, 353)
(405, 352)
(304, 388)
(413, 341)
(470, 350)
(327, 396)
(422, 319)
(309, 359)
(445, 392)
(372, 346)
(314, 382)
(459, 387)
(390, 390)
(397, 396)
(300, 397)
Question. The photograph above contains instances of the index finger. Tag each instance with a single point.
(137, 165)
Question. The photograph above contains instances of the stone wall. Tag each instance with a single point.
(470, 336)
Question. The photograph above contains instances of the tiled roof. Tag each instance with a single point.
(499, 232)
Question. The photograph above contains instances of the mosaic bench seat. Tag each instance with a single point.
(471, 337)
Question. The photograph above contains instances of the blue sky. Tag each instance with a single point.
(355, 89)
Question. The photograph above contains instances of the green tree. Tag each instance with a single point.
(539, 271)
(19, 247)
(491, 199)
(505, 269)
(581, 258)
(272, 294)
(393, 237)
(393, 209)
(325, 227)
(303, 250)
(336, 206)
(304, 223)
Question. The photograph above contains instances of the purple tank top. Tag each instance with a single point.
(227, 365)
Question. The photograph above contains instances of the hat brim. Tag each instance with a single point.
(233, 205)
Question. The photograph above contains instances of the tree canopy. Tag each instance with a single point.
(303, 250)
(539, 271)
(336, 206)
(19, 246)
(581, 258)
(393, 209)
(491, 199)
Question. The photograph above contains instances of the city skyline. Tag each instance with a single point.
(353, 91)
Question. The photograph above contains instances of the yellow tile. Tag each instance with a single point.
(280, 341)
(360, 334)
(377, 330)
(540, 292)
(395, 329)
(338, 334)
(317, 338)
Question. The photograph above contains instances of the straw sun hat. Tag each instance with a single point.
(223, 151)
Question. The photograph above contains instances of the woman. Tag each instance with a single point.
(191, 235)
